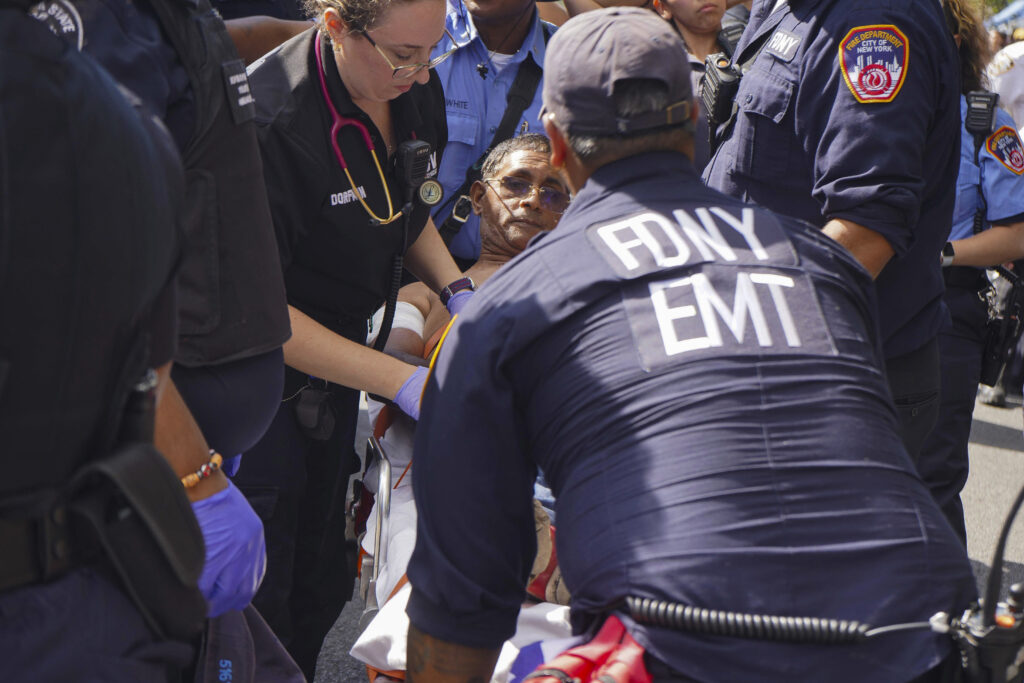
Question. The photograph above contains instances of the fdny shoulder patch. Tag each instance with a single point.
(1005, 146)
(873, 60)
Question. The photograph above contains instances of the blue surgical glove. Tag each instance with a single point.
(459, 300)
(408, 397)
(236, 555)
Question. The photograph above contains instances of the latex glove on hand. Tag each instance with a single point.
(459, 301)
(408, 397)
(236, 555)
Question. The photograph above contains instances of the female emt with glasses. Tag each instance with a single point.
(334, 106)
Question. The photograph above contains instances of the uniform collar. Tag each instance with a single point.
(639, 166)
(460, 25)
(638, 169)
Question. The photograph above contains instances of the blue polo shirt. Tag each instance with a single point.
(475, 106)
(850, 112)
(700, 381)
(999, 172)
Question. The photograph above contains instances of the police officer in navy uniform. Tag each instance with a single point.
(846, 118)
(232, 317)
(700, 382)
(339, 108)
(89, 197)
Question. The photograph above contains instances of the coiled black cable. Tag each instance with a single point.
(753, 626)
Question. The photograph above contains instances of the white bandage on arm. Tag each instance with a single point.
(407, 317)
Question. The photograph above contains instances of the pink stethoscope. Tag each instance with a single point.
(339, 122)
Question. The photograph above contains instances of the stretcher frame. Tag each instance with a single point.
(382, 501)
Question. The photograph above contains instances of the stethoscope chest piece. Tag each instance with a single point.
(431, 192)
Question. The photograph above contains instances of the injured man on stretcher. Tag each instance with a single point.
(518, 197)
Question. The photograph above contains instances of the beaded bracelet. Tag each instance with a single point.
(204, 472)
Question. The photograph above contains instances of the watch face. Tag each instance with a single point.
(431, 192)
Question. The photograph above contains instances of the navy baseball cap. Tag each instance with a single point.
(593, 51)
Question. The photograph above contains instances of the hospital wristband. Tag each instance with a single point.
(205, 471)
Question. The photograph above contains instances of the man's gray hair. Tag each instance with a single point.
(531, 142)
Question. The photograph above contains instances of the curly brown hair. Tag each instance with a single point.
(964, 20)
(359, 15)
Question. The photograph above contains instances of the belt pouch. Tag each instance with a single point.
(315, 414)
(135, 508)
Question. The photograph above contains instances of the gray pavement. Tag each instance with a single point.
(997, 475)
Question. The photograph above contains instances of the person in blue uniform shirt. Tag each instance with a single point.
(88, 301)
(492, 41)
(847, 119)
(335, 108)
(990, 186)
(700, 382)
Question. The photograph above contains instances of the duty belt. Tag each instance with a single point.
(35, 548)
(965, 277)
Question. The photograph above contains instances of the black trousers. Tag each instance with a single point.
(943, 462)
(914, 380)
(82, 627)
(297, 485)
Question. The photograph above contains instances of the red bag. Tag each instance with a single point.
(612, 656)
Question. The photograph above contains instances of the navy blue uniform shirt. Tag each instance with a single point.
(851, 112)
(700, 382)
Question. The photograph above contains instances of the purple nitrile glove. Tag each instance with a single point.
(408, 397)
(459, 300)
(236, 555)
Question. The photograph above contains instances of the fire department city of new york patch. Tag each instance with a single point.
(1005, 146)
(873, 60)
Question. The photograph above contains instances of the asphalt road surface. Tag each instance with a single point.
(997, 476)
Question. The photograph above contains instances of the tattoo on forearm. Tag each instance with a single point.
(429, 660)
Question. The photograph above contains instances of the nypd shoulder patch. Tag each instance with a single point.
(873, 60)
(1005, 145)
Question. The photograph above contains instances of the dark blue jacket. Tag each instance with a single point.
(700, 382)
(851, 112)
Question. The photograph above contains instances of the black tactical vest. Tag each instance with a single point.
(230, 289)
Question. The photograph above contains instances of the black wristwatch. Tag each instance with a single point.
(463, 283)
(947, 254)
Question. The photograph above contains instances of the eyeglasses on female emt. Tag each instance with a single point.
(410, 70)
